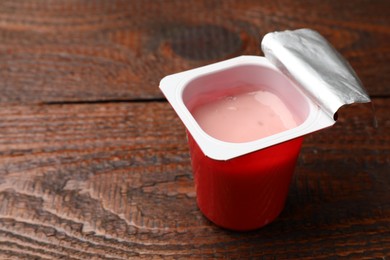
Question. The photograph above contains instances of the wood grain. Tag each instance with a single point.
(94, 163)
(119, 50)
(113, 181)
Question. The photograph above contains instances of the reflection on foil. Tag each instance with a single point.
(311, 62)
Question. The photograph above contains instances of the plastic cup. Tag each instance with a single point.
(244, 185)
(241, 186)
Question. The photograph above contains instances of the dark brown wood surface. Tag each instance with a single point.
(94, 162)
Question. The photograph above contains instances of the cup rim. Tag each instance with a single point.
(174, 85)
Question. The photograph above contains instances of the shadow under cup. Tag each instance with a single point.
(248, 191)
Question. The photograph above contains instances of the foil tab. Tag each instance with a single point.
(310, 61)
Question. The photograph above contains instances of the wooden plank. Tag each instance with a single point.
(114, 181)
(119, 50)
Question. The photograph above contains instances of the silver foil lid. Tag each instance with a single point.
(310, 61)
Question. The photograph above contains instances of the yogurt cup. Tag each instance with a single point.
(244, 185)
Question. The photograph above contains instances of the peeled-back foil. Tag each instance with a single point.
(309, 60)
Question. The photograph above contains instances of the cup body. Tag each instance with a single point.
(246, 192)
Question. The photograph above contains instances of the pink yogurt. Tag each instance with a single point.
(248, 112)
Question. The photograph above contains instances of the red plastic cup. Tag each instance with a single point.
(242, 186)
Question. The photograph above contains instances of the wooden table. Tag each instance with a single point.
(94, 162)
